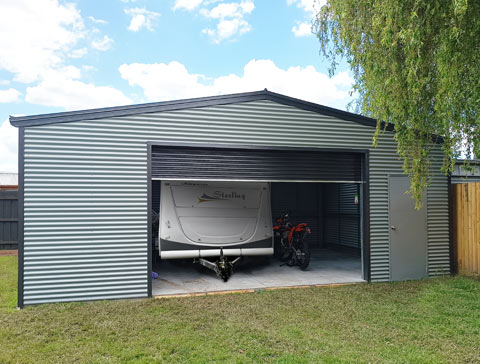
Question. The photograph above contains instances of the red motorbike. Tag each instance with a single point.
(290, 244)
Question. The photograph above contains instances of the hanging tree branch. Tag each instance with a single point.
(416, 64)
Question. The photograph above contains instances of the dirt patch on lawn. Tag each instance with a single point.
(6, 253)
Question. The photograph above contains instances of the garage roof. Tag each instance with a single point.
(63, 117)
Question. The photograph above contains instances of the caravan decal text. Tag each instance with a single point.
(220, 195)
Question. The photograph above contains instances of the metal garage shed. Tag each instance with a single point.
(85, 182)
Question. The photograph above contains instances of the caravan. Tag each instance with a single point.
(214, 220)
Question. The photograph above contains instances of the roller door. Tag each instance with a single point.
(269, 165)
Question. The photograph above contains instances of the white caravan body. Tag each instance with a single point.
(197, 219)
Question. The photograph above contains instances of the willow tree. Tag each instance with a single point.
(416, 64)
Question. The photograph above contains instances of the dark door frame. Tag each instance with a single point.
(365, 185)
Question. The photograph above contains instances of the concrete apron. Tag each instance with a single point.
(327, 268)
(237, 291)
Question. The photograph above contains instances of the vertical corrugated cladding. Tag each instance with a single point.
(85, 223)
(383, 162)
(438, 219)
(86, 190)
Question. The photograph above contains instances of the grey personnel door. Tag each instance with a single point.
(408, 233)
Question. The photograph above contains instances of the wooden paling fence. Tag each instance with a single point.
(466, 227)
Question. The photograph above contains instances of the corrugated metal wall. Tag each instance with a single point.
(342, 215)
(461, 175)
(85, 217)
(303, 201)
(438, 220)
(462, 179)
(86, 191)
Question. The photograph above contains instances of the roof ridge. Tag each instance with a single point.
(117, 111)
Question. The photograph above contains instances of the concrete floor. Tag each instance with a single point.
(326, 267)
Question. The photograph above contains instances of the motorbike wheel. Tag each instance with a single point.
(303, 258)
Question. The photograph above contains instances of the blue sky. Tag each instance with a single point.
(68, 55)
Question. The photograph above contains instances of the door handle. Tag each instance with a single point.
(393, 227)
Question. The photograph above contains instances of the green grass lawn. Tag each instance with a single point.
(430, 321)
(8, 284)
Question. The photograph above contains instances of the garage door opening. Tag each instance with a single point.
(327, 188)
(333, 212)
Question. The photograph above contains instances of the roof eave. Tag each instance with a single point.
(117, 111)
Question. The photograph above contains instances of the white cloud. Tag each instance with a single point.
(161, 81)
(64, 89)
(186, 4)
(102, 44)
(227, 29)
(302, 30)
(229, 17)
(78, 53)
(301, 82)
(311, 7)
(88, 68)
(137, 22)
(97, 21)
(36, 36)
(37, 39)
(229, 10)
(43, 35)
(231, 20)
(8, 147)
(141, 17)
(10, 95)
